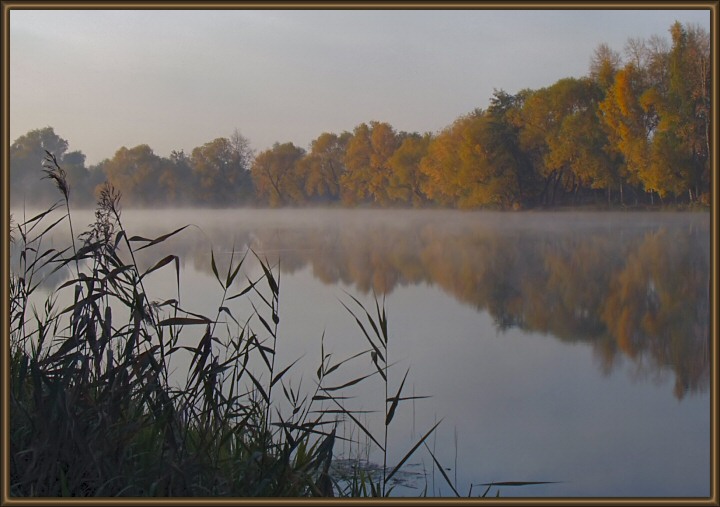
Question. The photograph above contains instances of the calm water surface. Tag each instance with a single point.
(569, 347)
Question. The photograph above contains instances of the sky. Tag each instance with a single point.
(177, 79)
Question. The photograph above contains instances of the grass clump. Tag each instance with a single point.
(95, 411)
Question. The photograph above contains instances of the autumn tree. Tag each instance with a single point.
(461, 168)
(324, 166)
(176, 179)
(503, 143)
(576, 142)
(604, 63)
(441, 165)
(405, 179)
(367, 172)
(563, 137)
(277, 176)
(354, 182)
(535, 121)
(222, 169)
(631, 120)
(657, 111)
(681, 144)
(135, 173)
(638, 123)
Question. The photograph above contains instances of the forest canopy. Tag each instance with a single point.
(634, 130)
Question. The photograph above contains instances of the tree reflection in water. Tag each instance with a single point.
(635, 292)
(633, 285)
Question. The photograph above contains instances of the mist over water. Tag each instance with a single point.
(558, 346)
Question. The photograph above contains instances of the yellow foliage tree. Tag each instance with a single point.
(460, 167)
(367, 175)
(276, 175)
(405, 179)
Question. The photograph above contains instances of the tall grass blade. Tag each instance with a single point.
(214, 268)
(334, 367)
(182, 321)
(229, 312)
(202, 353)
(231, 276)
(159, 239)
(382, 319)
(367, 336)
(411, 451)
(83, 303)
(264, 322)
(349, 383)
(37, 218)
(259, 386)
(395, 400)
(283, 372)
(269, 276)
(243, 292)
(370, 320)
(51, 226)
(358, 423)
(322, 397)
(163, 262)
(442, 470)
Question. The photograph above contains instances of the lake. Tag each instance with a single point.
(567, 347)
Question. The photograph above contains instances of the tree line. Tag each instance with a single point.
(635, 130)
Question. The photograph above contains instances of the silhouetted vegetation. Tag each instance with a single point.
(96, 409)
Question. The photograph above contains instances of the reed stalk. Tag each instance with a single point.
(95, 410)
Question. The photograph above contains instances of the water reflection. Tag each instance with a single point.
(632, 286)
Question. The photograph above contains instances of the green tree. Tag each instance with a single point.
(26, 158)
(95, 178)
(563, 136)
(503, 143)
(576, 142)
(681, 145)
(243, 156)
(78, 177)
(700, 86)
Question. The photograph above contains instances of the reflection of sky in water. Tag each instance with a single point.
(526, 405)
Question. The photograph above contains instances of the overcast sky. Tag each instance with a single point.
(178, 79)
